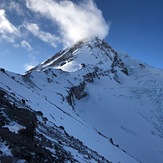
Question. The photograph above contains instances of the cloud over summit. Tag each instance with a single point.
(55, 23)
(76, 21)
(52, 21)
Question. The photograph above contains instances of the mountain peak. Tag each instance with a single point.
(90, 53)
(90, 40)
(81, 105)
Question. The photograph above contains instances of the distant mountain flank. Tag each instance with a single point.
(87, 103)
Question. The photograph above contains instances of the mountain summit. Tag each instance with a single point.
(87, 103)
(90, 52)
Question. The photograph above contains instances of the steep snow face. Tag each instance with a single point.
(109, 101)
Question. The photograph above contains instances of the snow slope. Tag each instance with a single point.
(112, 103)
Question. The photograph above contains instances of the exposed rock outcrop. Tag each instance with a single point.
(77, 92)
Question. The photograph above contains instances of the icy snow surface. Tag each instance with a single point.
(129, 112)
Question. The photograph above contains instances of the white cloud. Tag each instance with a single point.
(26, 45)
(76, 21)
(16, 7)
(7, 30)
(16, 45)
(44, 36)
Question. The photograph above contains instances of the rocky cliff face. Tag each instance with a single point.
(87, 103)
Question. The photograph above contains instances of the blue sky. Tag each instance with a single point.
(136, 28)
(33, 30)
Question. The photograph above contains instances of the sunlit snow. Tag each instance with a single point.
(128, 111)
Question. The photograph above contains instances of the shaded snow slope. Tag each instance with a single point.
(112, 103)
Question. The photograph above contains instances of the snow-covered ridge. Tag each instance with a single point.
(91, 53)
(90, 93)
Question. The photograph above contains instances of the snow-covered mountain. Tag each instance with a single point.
(87, 103)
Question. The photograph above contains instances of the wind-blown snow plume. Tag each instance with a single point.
(75, 20)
